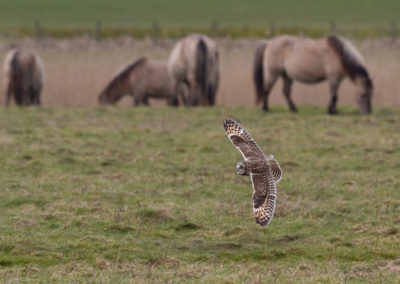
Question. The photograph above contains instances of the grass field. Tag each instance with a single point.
(149, 194)
(176, 17)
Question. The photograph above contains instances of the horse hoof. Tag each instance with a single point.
(332, 112)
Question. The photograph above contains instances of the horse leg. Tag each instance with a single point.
(333, 87)
(203, 100)
(145, 100)
(26, 98)
(135, 101)
(207, 98)
(38, 93)
(287, 88)
(267, 89)
(139, 98)
(183, 91)
(195, 95)
(9, 94)
(173, 102)
(37, 98)
(19, 97)
(32, 96)
(140, 101)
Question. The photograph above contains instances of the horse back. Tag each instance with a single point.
(183, 56)
(154, 79)
(302, 59)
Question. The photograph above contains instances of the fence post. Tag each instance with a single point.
(214, 28)
(156, 30)
(332, 27)
(272, 28)
(37, 30)
(245, 29)
(97, 30)
(393, 30)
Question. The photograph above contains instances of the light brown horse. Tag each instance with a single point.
(310, 61)
(142, 79)
(23, 70)
(193, 65)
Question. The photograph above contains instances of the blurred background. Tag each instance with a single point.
(83, 43)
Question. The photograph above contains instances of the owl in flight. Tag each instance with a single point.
(264, 172)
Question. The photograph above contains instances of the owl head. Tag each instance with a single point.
(241, 169)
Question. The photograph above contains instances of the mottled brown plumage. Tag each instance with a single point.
(264, 171)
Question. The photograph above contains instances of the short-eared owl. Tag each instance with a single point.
(264, 171)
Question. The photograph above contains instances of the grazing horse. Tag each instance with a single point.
(23, 77)
(142, 79)
(310, 61)
(193, 65)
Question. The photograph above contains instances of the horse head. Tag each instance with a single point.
(109, 97)
(364, 94)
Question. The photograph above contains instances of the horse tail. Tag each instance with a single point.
(258, 70)
(350, 59)
(213, 77)
(14, 65)
(16, 80)
(201, 66)
(38, 78)
(8, 75)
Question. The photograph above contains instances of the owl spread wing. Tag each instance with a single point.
(264, 197)
(264, 182)
(275, 168)
(241, 139)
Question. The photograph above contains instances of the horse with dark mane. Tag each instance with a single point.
(193, 65)
(310, 61)
(23, 70)
(142, 79)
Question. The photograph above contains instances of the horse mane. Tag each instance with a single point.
(124, 73)
(350, 63)
(258, 71)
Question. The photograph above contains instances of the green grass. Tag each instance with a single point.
(177, 17)
(151, 194)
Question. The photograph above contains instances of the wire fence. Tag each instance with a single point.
(99, 29)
